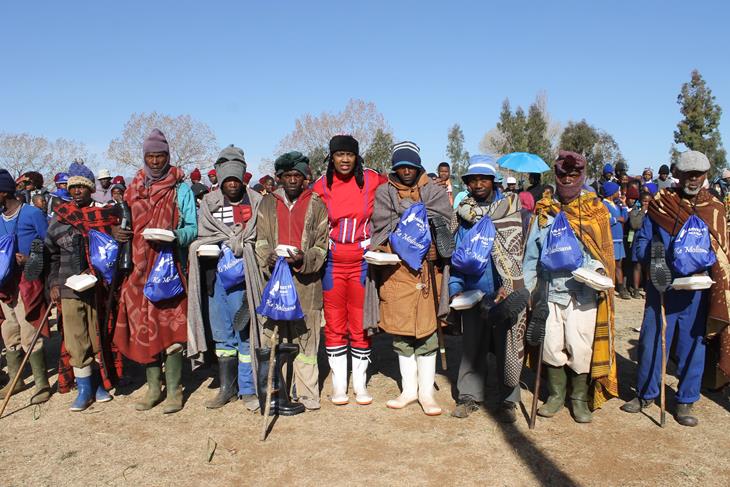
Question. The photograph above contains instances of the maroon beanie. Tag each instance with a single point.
(155, 142)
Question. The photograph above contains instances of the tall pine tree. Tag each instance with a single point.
(378, 155)
(536, 128)
(457, 155)
(698, 130)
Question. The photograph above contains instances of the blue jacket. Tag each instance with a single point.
(29, 224)
(617, 228)
(187, 228)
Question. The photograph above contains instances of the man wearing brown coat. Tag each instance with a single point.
(407, 308)
(295, 216)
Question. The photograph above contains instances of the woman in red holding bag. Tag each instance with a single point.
(348, 191)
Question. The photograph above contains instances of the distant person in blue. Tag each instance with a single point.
(22, 301)
(619, 215)
(503, 275)
(693, 316)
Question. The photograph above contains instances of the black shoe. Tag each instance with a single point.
(659, 272)
(280, 403)
(464, 408)
(636, 405)
(285, 354)
(507, 412)
(34, 265)
(535, 332)
(623, 293)
(684, 415)
(508, 310)
(228, 391)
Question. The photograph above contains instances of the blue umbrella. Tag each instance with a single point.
(523, 162)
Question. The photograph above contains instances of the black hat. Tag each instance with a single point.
(344, 143)
(664, 169)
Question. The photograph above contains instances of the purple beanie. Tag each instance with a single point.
(155, 142)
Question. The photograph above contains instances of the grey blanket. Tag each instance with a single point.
(242, 241)
(387, 211)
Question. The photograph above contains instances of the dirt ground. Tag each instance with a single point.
(112, 444)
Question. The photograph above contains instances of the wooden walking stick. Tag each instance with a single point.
(536, 391)
(662, 403)
(661, 277)
(25, 360)
(439, 330)
(269, 380)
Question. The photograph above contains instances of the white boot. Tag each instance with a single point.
(426, 377)
(338, 365)
(359, 380)
(409, 381)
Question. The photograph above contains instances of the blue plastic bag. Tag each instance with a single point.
(472, 255)
(164, 280)
(561, 252)
(412, 237)
(692, 250)
(279, 300)
(7, 256)
(230, 270)
(103, 251)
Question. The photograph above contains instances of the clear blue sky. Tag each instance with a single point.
(78, 69)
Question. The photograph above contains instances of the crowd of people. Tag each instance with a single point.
(193, 260)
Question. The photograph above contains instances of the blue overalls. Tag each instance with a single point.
(686, 313)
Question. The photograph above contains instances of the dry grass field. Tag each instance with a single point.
(113, 445)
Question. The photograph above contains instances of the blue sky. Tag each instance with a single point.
(249, 69)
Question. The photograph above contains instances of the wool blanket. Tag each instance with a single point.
(508, 253)
(670, 211)
(590, 221)
(387, 210)
(242, 241)
(144, 329)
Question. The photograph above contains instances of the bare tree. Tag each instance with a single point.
(20, 153)
(192, 143)
(311, 133)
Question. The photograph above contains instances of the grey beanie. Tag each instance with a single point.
(230, 164)
(692, 160)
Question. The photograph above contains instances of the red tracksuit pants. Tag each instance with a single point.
(344, 296)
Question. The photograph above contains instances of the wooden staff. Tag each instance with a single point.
(439, 330)
(25, 360)
(662, 403)
(269, 380)
(536, 391)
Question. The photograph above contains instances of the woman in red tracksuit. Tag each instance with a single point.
(348, 190)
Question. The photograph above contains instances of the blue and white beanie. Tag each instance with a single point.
(481, 165)
(406, 153)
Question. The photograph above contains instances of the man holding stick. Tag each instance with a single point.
(693, 317)
(406, 304)
(294, 215)
(579, 329)
(22, 301)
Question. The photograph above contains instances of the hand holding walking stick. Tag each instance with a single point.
(25, 359)
(661, 278)
(269, 381)
(439, 330)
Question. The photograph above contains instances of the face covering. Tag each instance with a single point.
(565, 163)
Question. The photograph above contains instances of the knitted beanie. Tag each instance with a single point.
(155, 142)
(7, 183)
(80, 175)
(406, 153)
